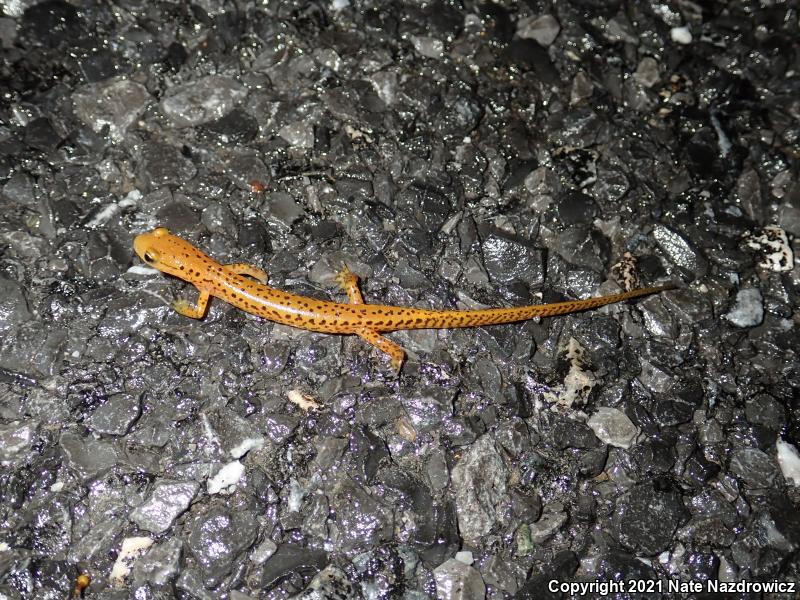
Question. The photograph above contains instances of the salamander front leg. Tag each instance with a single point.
(249, 270)
(395, 352)
(195, 312)
(348, 281)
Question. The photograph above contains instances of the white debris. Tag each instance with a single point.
(578, 383)
(624, 272)
(465, 556)
(226, 477)
(774, 243)
(246, 445)
(302, 400)
(296, 495)
(132, 549)
(680, 35)
(748, 310)
(106, 213)
(789, 461)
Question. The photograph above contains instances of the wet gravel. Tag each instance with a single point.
(455, 155)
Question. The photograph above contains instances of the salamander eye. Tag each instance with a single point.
(150, 256)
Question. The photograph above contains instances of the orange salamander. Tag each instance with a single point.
(233, 284)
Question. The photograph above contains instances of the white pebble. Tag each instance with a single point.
(132, 548)
(748, 310)
(789, 461)
(681, 35)
(226, 477)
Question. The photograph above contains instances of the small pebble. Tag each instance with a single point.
(681, 35)
(543, 29)
(748, 310)
(613, 427)
(226, 477)
(789, 462)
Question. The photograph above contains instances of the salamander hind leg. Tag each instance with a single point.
(395, 352)
(249, 270)
(195, 312)
(348, 281)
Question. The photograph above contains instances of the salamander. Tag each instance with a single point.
(245, 286)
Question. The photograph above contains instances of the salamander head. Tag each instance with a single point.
(165, 252)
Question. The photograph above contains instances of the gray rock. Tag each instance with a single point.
(203, 100)
(116, 415)
(550, 522)
(218, 538)
(35, 349)
(708, 531)
(502, 572)
(756, 468)
(19, 189)
(647, 72)
(283, 209)
(361, 520)
(679, 250)
(291, 558)
(771, 535)
(544, 29)
(576, 208)
(458, 581)
(116, 103)
(508, 259)
(646, 518)
(298, 134)
(88, 457)
(329, 584)
(479, 483)
(766, 411)
(8, 32)
(167, 501)
(15, 439)
(160, 565)
(165, 165)
(263, 552)
(428, 46)
(613, 427)
(13, 305)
